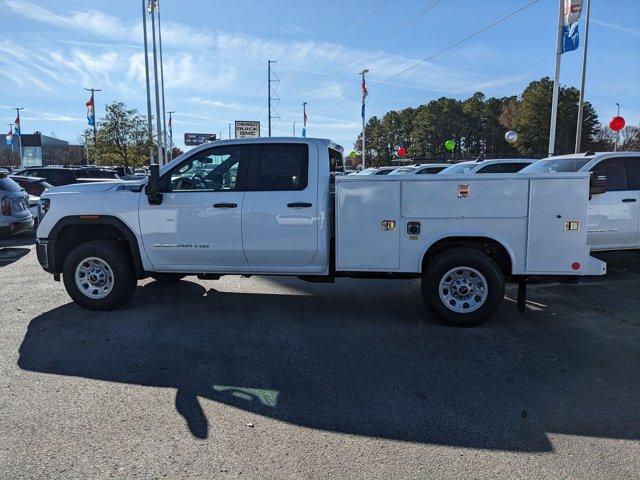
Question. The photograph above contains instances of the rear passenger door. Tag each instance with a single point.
(280, 210)
(613, 215)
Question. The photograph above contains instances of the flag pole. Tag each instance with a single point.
(11, 132)
(304, 119)
(19, 133)
(556, 82)
(146, 71)
(171, 112)
(582, 82)
(152, 6)
(164, 118)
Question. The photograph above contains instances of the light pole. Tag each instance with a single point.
(19, 125)
(364, 96)
(152, 6)
(95, 131)
(229, 131)
(294, 128)
(164, 118)
(171, 112)
(146, 71)
(615, 143)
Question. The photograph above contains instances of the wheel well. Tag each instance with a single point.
(492, 248)
(74, 234)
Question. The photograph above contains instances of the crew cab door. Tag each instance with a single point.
(613, 215)
(197, 227)
(280, 210)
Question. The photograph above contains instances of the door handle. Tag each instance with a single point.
(225, 205)
(629, 200)
(299, 205)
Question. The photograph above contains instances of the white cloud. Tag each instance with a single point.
(620, 28)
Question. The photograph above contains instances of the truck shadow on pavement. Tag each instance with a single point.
(370, 367)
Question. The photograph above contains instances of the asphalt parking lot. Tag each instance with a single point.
(269, 377)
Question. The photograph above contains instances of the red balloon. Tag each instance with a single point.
(617, 123)
(402, 151)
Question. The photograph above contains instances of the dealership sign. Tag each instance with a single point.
(194, 139)
(247, 129)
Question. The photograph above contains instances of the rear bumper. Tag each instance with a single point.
(16, 228)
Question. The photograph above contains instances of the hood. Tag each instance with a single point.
(89, 187)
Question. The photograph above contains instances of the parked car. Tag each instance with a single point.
(614, 211)
(58, 176)
(421, 169)
(34, 187)
(502, 165)
(376, 171)
(267, 208)
(15, 216)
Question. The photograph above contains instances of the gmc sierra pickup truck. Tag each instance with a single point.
(275, 207)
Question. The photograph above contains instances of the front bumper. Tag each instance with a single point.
(16, 228)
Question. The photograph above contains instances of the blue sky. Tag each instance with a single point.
(216, 53)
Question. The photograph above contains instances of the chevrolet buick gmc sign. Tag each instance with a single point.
(194, 139)
(247, 129)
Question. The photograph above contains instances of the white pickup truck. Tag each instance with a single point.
(613, 219)
(274, 207)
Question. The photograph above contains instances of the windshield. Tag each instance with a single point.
(403, 171)
(557, 165)
(461, 168)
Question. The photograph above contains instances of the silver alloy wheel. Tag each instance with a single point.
(94, 278)
(463, 289)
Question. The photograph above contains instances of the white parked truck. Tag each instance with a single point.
(273, 207)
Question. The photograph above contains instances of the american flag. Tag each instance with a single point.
(365, 94)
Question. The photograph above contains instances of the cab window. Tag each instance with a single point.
(215, 170)
(279, 167)
(633, 167)
(615, 170)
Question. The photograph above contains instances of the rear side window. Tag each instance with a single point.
(493, 168)
(512, 167)
(633, 167)
(281, 167)
(336, 162)
(616, 172)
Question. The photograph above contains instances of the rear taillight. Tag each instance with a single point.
(6, 207)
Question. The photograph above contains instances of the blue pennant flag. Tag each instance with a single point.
(571, 22)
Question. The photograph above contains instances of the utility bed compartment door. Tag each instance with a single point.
(553, 246)
(362, 242)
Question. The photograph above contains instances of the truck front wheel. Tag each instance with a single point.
(98, 275)
(463, 286)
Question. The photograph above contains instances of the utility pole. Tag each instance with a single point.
(95, 131)
(152, 6)
(146, 71)
(556, 82)
(584, 74)
(19, 132)
(269, 62)
(229, 131)
(364, 96)
(164, 118)
(171, 112)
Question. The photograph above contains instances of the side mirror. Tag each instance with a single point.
(597, 184)
(153, 185)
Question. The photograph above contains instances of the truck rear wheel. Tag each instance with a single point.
(463, 286)
(99, 275)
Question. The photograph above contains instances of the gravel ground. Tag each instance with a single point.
(269, 377)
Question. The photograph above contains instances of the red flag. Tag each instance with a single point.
(17, 122)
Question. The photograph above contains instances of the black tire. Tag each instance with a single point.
(472, 259)
(167, 277)
(118, 259)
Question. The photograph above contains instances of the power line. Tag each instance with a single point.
(349, 30)
(373, 47)
(453, 45)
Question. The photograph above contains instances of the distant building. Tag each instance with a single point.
(39, 150)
